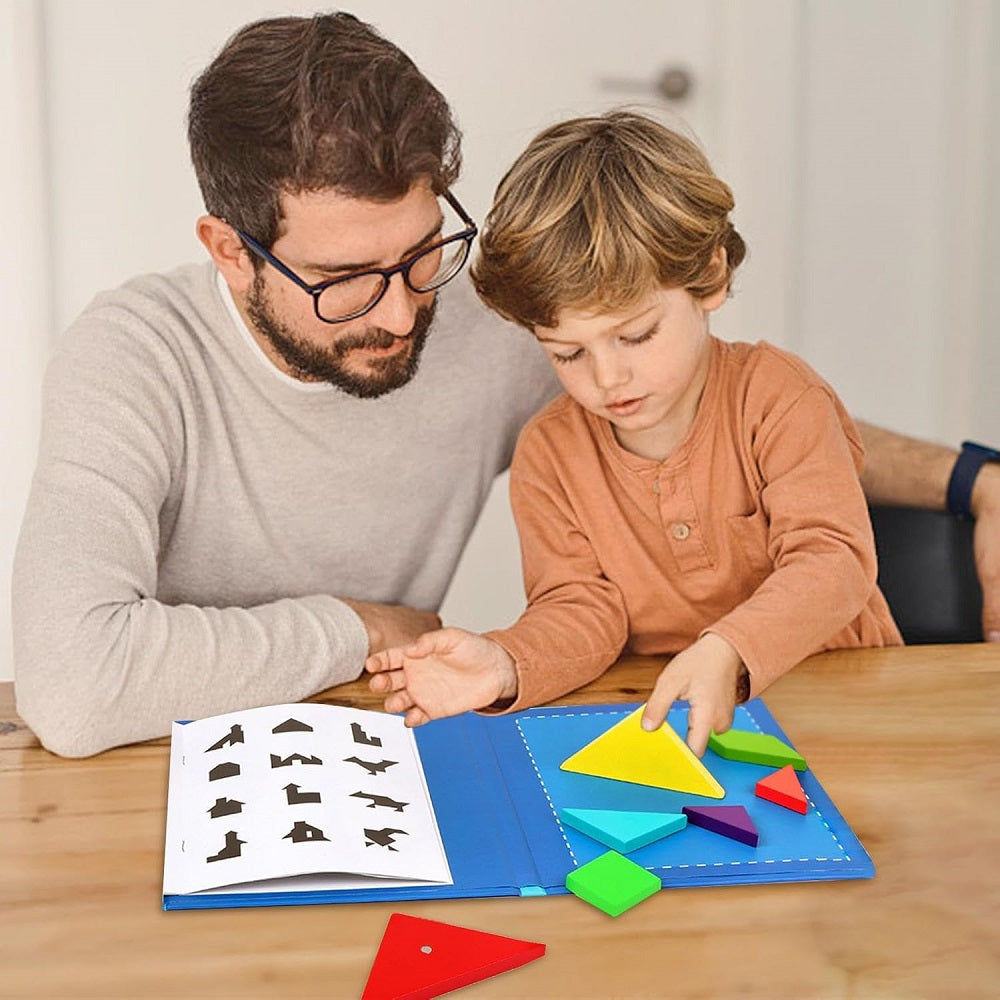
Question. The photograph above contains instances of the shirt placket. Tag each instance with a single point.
(679, 519)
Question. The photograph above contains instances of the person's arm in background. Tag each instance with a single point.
(905, 472)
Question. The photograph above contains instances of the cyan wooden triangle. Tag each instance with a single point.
(626, 752)
(622, 830)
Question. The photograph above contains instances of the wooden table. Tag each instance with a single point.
(906, 742)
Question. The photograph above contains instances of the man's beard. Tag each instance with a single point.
(326, 364)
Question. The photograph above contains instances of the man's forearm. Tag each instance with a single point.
(902, 471)
(120, 673)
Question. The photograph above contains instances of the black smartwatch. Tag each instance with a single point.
(963, 476)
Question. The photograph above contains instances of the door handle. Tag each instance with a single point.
(673, 84)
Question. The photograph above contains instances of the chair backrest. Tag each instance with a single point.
(927, 572)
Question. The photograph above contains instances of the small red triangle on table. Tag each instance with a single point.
(419, 959)
(782, 787)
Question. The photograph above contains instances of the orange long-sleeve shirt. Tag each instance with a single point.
(755, 528)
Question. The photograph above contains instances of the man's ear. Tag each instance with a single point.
(228, 251)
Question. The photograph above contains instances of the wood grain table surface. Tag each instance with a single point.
(906, 741)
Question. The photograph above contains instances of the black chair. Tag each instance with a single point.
(927, 572)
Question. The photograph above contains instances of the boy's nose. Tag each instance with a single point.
(610, 371)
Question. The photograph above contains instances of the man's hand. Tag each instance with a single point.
(706, 676)
(443, 673)
(392, 624)
(985, 506)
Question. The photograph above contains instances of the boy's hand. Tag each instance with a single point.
(705, 675)
(443, 673)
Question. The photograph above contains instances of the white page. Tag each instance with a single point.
(335, 790)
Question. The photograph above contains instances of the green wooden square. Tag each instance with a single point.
(612, 883)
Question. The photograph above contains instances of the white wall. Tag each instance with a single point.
(860, 140)
(900, 116)
(25, 296)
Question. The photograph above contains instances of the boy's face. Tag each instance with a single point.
(642, 369)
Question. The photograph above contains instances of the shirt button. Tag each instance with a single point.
(681, 531)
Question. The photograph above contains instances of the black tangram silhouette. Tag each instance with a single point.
(292, 726)
(360, 736)
(234, 736)
(385, 837)
(231, 850)
(296, 758)
(225, 807)
(380, 800)
(229, 769)
(297, 798)
(371, 766)
(302, 833)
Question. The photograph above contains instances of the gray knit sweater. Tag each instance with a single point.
(195, 514)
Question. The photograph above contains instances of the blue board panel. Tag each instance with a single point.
(792, 847)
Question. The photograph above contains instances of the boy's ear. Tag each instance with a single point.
(719, 260)
(227, 250)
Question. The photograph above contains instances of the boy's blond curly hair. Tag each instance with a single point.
(597, 212)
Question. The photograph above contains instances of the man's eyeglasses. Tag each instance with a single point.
(341, 299)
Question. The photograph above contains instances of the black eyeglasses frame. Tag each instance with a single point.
(386, 273)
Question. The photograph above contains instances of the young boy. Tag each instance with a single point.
(687, 495)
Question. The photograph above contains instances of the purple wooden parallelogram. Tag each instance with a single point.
(729, 821)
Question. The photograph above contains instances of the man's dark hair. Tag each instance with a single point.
(296, 104)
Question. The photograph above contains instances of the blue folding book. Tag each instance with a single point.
(494, 788)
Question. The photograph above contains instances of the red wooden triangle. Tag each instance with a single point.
(783, 788)
(419, 959)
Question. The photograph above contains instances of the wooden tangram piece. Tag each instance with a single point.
(755, 748)
(612, 883)
(728, 821)
(419, 959)
(624, 831)
(783, 788)
(626, 752)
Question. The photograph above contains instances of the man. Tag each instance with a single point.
(255, 472)
(242, 489)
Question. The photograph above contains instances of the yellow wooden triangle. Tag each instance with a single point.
(626, 752)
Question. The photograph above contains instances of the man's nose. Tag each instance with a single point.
(396, 311)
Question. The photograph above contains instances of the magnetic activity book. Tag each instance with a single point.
(314, 803)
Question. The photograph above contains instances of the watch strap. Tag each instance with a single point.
(963, 476)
